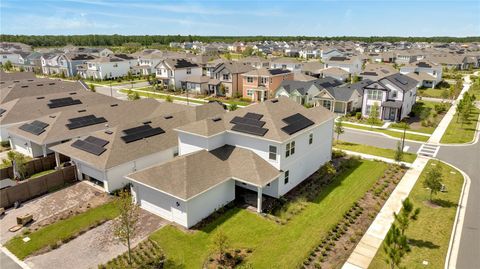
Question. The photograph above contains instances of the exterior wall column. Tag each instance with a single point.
(57, 161)
(259, 199)
(44, 149)
(346, 106)
(79, 172)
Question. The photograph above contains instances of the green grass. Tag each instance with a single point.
(39, 174)
(164, 96)
(387, 153)
(430, 234)
(389, 132)
(274, 245)
(232, 101)
(60, 230)
(421, 129)
(458, 133)
(114, 82)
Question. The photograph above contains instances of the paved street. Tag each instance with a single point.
(465, 158)
(7, 263)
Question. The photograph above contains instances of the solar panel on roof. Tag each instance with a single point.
(140, 132)
(35, 127)
(249, 129)
(254, 116)
(296, 122)
(88, 147)
(84, 121)
(61, 102)
(2, 111)
(97, 141)
(247, 121)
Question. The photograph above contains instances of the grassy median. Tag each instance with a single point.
(429, 236)
(387, 153)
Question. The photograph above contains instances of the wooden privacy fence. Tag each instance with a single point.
(34, 187)
(34, 166)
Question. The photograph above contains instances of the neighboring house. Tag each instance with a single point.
(67, 63)
(109, 67)
(394, 95)
(291, 64)
(342, 99)
(201, 85)
(36, 87)
(131, 146)
(6, 56)
(376, 71)
(256, 61)
(28, 108)
(313, 69)
(171, 72)
(303, 92)
(407, 56)
(428, 74)
(329, 53)
(309, 53)
(456, 61)
(229, 75)
(285, 144)
(335, 72)
(35, 138)
(30, 62)
(260, 84)
(352, 65)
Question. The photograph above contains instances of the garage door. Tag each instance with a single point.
(156, 209)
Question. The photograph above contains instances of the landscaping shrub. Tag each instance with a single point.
(358, 115)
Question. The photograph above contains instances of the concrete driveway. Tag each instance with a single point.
(47, 205)
(96, 246)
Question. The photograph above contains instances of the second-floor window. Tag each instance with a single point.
(272, 153)
(310, 138)
(189, 71)
(290, 149)
(286, 177)
(250, 79)
(263, 80)
(225, 77)
(374, 94)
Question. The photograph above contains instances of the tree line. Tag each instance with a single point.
(148, 40)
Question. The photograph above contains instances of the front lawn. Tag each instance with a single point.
(426, 116)
(389, 132)
(63, 230)
(387, 153)
(274, 245)
(461, 133)
(430, 234)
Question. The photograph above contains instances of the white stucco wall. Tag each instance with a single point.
(206, 203)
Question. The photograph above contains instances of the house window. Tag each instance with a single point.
(394, 94)
(250, 92)
(115, 65)
(250, 79)
(286, 177)
(272, 153)
(263, 80)
(374, 94)
(189, 71)
(290, 149)
(310, 139)
(225, 76)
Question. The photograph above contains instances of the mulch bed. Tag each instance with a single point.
(335, 248)
(232, 259)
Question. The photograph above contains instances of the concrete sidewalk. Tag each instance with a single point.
(443, 125)
(371, 241)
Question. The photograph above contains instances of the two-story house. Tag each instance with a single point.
(172, 72)
(268, 148)
(303, 92)
(291, 64)
(260, 84)
(106, 156)
(394, 96)
(229, 75)
(428, 73)
(352, 65)
(109, 67)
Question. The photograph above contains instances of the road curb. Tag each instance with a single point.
(14, 258)
(454, 245)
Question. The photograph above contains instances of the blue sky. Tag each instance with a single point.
(279, 17)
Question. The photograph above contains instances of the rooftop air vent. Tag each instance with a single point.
(25, 86)
(113, 105)
(217, 119)
(275, 101)
(72, 93)
(40, 84)
(168, 117)
(41, 97)
(147, 122)
(82, 110)
(108, 132)
(51, 83)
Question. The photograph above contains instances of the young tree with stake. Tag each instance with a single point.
(126, 224)
(339, 128)
(433, 181)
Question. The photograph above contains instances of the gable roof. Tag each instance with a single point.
(401, 81)
(186, 177)
(346, 91)
(273, 112)
(266, 72)
(303, 86)
(233, 67)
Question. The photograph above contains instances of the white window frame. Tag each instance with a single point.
(286, 177)
(250, 79)
(290, 149)
(250, 92)
(272, 152)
